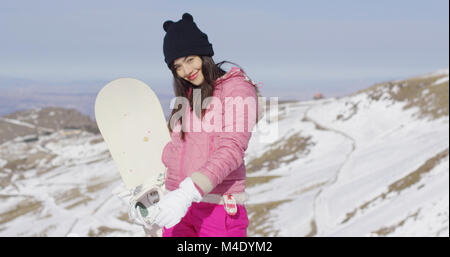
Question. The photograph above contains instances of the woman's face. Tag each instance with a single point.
(190, 69)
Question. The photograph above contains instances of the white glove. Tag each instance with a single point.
(173, 206)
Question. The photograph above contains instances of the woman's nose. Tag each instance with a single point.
(187, 70)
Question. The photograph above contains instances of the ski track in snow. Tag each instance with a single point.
(321, 203)
(19, 123)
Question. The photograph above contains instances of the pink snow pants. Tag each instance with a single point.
(210, 220)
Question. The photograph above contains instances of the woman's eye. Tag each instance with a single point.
(190, 59)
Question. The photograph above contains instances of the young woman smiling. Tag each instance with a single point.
(205, 176)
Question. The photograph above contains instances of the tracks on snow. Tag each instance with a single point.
(320, 204)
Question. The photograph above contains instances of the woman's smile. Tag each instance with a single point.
(193, 76)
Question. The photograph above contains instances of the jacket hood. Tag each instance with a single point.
(234, 72)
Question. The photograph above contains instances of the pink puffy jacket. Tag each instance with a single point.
(215, 159)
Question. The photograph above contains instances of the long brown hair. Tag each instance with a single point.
(211, 72)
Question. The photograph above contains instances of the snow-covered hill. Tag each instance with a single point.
(374, 163)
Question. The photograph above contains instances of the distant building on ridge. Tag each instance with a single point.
(318, 96)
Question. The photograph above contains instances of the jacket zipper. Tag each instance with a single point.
(210, 145)
(183, 152)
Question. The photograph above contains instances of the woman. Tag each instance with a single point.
(205, 157)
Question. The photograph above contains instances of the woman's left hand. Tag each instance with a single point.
(174, 205)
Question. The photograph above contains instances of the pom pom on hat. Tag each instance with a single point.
(188, 17)
(167, 24)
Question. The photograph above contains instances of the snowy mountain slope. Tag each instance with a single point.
(383, 169)
(66, 189)
(374, 163)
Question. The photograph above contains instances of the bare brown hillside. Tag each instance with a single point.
(36, 122)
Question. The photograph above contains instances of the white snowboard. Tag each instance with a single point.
(132, 123)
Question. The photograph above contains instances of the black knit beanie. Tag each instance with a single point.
(184, 38)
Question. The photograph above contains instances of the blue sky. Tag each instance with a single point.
(283, 43)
